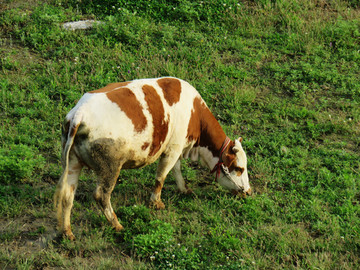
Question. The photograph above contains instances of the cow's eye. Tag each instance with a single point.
(239, 170)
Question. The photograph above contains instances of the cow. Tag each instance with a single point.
(132, 124)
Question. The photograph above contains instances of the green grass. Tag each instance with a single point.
(284, 75)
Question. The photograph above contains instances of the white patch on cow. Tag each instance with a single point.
(191, 152)
(101, 112)
(242, 162)
(240, 154)
(178, 177)
(206, 157)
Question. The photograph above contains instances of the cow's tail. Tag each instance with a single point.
(62, 190)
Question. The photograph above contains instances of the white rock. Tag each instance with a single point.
(80, 24)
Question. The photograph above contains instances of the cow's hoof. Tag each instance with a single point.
(158, 205)
(186, 191)
(118, 228)
(69, 235)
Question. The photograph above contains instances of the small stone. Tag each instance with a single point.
(86, 24)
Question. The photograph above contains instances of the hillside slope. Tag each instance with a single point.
(284, 75)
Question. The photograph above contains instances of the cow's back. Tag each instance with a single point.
(132, 123)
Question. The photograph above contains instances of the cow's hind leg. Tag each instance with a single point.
(179, 179)
(166, 163)
(102, 196)
(64, 195)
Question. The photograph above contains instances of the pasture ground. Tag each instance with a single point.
(284, 75)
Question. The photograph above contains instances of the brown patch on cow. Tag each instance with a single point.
(128, 103)
(110, 87)
(171, 88)
(157, 111)
(204, 128)
(194, 126)
(239, 171)
(144, 146)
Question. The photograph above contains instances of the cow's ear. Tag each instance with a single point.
(237, 145)
(240, 139)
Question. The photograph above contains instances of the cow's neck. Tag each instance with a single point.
(212, 138)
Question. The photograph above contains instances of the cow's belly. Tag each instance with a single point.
(104, 154)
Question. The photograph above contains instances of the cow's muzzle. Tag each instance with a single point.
(242, 193)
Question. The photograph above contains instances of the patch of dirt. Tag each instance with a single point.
(23, 4)
(27, 234)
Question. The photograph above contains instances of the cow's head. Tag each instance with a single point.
(234, 175)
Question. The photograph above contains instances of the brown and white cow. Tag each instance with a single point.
(132, 124)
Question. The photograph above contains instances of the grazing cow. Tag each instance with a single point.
(132, 124)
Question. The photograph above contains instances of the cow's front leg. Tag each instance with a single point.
(166, 163)
(179, 179)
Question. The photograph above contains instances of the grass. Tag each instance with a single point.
(284, 75)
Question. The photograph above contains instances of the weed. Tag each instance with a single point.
(18, 163)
